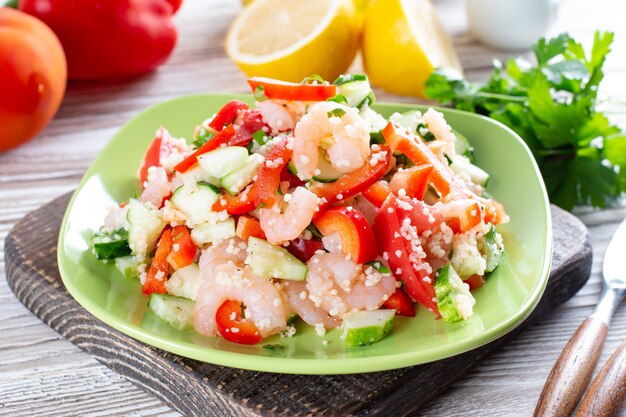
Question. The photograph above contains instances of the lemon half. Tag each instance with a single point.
(403, 41)
(291, 39)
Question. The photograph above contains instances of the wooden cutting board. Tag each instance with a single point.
(197, 388)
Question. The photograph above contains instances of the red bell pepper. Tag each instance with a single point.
(402, 303)
(283, 90)
(293, 180)
(413, 181)
(109, 39)
(215, 142)
(377, 193)
(242, 203)
(461, 215)
(160, 268)
(402, 141)
(252, 122)
(423, 217)
(183, 250)
(357, 238)
(233, 327)
(268, 177)
(395, 249)
(227, 114)
(304, 249)
(162, 147)
(353, 183)
(249, 226)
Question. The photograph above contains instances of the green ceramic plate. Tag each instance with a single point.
(508, 297)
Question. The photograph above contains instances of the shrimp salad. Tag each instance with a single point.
(307, 206)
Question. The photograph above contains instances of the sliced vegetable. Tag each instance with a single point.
(242, 203)
(356, 89)
(195, 201)
(111, 245)
(492, 248)
(128, 266)
(160, 268)
(282, 90)
(185, 282)
(222, 138)
(227, 114)
(327, 173)
(377, 193)
(269, 174)
(249, 227)
(213, 232)
(462, 165)
(144, 228)
(223, 161)
(402, 303)
(183, 250)
(233, 326)
(176, 311)
(454, 299)
(361, 328)
(304, 249)
(252, 124)
(461, 215)
(272, 261)
(357, 238)
(355, 182)
(412, 181)
(475, 281)
(237, 180)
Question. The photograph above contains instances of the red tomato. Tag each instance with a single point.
(402, 303)
(357, 238)
(183, 249)
(215, 142)
(249, 226)
(160, 268)
(33, 75)
(241, 203)
(475, 281)
(353, 183)
(227, 114)
(304, 249)
(413, 181)
(402, 141)
(268, 178)
(233, 327)
(283, 90)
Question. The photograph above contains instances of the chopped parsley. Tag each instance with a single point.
(336, 112)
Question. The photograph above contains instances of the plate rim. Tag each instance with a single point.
(325, 366)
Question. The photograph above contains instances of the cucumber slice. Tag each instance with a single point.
(462, 146)
(476, 174)
(128, 266)
(408, 119)
(376, 124)
(271, 261)
(454, 299)
(176, 311)
(356, 89)
(492, 248)
(185, 282)
(327, 173)
(223, 161)
(111, 245)
(144, 228)
(239, 179)
(213, 232)
(361, 328)
(195, 201)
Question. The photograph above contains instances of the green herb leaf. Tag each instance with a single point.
(260, 137)
(336, 112)
(201, 137)
(313, 78)
(379, 266)
(348, 78)
(259, 93)
(339, 98)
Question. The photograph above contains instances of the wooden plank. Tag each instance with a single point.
(196, 388)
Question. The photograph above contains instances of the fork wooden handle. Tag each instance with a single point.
(607, 392)
(572, 371)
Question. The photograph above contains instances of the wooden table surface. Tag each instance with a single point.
(43, 374)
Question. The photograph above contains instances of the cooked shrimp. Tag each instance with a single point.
(298, 298)
(157, 187)
(438, 126)
(277, 116)
(226, 278)
(344, 137)
(339, 285)
(282, 227)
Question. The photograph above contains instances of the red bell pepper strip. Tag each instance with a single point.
(293, 180)
(304, 249)
(402, 303)
(160, 268)
(402, 141)
(475, 281)
(413, 181)
(183, 250)
(175, 4)
(377, 193)
(353, 183)
(242, 203)
(115, 39)
(357, 238)
(494, 211)
(215, 142)
(162, 147)
(248, 226)
(283, 90)
(227, 114)
(252, 123)
(461, 215)
(233, 327)
(268, 177)
(395, 250)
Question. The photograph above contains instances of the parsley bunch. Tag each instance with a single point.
(552, 106)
